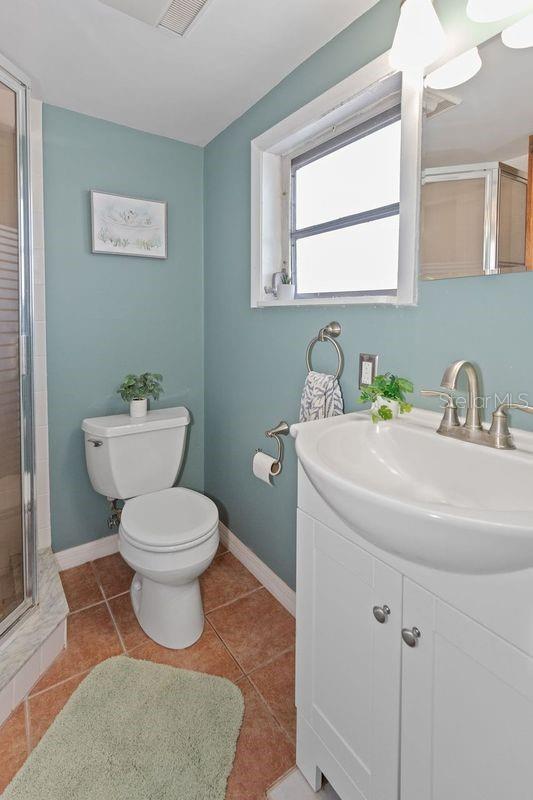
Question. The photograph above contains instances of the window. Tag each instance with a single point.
(327, 185)
(344, 212)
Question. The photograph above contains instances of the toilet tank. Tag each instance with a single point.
(128, 456)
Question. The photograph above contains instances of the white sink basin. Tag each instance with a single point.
(447, 504)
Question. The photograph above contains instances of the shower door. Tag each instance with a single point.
(17, 528)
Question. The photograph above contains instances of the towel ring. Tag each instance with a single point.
(327, 334)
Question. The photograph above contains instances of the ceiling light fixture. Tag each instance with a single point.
(520, 34)
(494, 10)
(457, 71)
(419, 39)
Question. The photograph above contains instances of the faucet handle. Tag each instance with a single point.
(499, 429)
(450, 418)
(438, 393)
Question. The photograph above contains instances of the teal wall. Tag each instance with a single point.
(254, 359)
(109, 315)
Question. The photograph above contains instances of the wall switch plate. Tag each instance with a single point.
(368, 368)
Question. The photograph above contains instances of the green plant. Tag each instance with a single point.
(390, 387)
(285, 278)
(139, 387)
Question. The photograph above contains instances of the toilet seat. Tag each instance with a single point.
(168, 520)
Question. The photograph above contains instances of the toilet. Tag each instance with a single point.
(168, 535)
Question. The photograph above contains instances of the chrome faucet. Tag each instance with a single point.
(472, 430)
(449, 381)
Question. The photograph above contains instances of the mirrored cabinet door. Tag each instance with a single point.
(452, 226)
(476, 156)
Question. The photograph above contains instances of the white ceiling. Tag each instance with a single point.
(88, 57)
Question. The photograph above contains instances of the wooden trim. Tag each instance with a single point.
(529, 210)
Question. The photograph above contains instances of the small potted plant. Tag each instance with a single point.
(285, 290)
(387, 395)
(136, 389)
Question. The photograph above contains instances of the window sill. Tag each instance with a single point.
(376, 300)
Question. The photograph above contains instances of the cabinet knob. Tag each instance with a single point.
(381, 613)
(411, 636)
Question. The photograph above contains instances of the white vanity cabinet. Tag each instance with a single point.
(467, 708)
(450, 718)
(348, 675)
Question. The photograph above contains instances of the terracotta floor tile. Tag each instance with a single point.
(255, 629)
(81, 587)
(275, 683)
(264, 753)
(91, 638)
(13, 746)
(45, 707)
(224, 581)
(114, 574)
(208, 654)
(126, 621)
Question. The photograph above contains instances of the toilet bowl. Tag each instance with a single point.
(168, 535)
(169, 538)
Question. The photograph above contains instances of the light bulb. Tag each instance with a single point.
(419, 38)
(520, 34)
(456, 71)
(493, 10)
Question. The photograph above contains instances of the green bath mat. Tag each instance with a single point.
(134, 730)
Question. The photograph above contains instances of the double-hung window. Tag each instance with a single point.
(344, 212)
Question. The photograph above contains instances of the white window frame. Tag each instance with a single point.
(319, 120)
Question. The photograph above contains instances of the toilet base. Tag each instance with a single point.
(172, 616)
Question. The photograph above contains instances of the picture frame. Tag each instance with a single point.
(128, 226)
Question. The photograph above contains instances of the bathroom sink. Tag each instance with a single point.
(447, 504)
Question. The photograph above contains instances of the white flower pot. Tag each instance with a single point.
(393, 405)
(285, 292)
(138, 408)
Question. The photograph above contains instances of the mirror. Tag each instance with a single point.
(475, 154)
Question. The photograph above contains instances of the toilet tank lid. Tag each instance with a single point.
(123, 424)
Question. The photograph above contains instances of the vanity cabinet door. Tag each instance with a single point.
(467, 708)
(348, 665)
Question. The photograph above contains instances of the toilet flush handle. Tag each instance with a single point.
(95, 442)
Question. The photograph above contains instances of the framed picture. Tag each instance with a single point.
(128, 226)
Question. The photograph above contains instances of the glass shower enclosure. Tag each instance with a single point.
(18, 590)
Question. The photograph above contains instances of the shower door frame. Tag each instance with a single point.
(15, 80)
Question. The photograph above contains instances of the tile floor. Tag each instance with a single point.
(248, 638)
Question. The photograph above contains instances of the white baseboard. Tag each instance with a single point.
(98, 548)
(269, 579)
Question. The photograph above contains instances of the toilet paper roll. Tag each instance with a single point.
(264, 467)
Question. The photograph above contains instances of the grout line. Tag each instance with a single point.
(271, 660)
(27, 724)
(85, 608)
(278, 725)
(113, 620)
(226, 648)
(114, 596)
(60, 683)
(272, 712)
(240, 597)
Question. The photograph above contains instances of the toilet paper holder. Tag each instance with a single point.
(281, 429)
